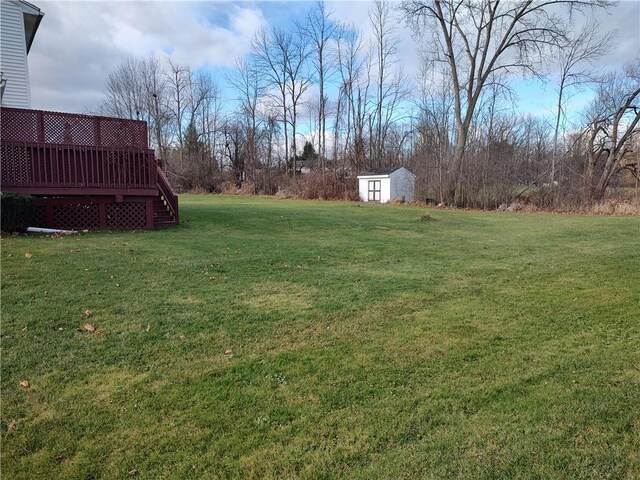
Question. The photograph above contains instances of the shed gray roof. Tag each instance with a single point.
(381, 171)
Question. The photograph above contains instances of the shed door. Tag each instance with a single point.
(374, 191)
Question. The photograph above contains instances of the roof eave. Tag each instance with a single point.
(32, 17)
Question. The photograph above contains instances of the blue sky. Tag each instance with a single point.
(79, 42)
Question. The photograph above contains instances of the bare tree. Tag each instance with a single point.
(234, 148)
(574, 55)
(154, 84)
(136, 89)
(298, 81)
(210, 117)
(246, 80)
(271, 50)
(124, 96)
(389, 84)
(203, 112)
(178, 78)
(615, 117)
(480, 39)
(354, 68)
(271, 132)
(433, 126)
(320, 30)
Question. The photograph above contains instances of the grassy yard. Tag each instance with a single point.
(292, 339)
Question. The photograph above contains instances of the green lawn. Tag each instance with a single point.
(298, 339)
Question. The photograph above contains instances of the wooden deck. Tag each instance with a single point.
(86, 171)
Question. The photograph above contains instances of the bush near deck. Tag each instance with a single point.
(18, 211)
(292, 339)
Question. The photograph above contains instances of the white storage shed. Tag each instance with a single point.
(383, 184)
(19, 22)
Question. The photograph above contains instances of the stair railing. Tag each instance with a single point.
(167, 193)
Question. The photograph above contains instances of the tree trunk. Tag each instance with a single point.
(453, 192)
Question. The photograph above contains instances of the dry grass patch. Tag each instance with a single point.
(185, 300)
(280, 296)
(105, 386)
(614, 207)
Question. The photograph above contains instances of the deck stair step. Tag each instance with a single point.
(162, 215)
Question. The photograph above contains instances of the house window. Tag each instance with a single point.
(374, 190)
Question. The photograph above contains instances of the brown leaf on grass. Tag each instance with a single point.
(60, 458)
(149, 328)
(27, 255)
(90, 328)
(88, 313)
(25, 384)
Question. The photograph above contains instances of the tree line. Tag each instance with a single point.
(320, 95)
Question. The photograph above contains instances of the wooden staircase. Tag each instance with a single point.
(162, 214)
(165, 205)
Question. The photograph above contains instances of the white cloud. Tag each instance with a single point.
(79, 43)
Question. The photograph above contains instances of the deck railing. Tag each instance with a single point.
(167, 193)
(49, 152)
(39, 126)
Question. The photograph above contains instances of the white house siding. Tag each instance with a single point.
(13, 56)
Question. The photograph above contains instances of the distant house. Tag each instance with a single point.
(305, 166)
(384, 184)
(19, 22)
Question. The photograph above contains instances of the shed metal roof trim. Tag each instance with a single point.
(382, 172)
